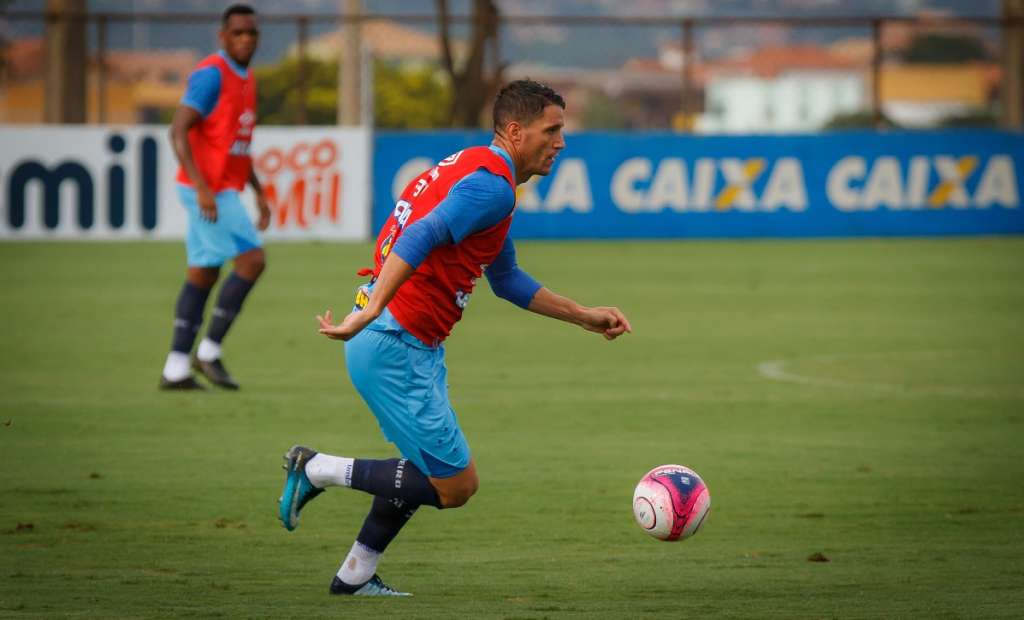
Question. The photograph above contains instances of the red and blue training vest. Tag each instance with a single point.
(220, 141)
(431, 301)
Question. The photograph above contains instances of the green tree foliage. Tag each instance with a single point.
(945, 48)
(405, 97)
(279, 94)
(857, 120)
(978, 117)
(603, 112)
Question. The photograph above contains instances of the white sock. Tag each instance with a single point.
(208, 350)
(324, 470)
(360, 565)
(177, 366)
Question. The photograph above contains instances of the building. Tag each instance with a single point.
(920, 95)
(139, 86)
(781, 89)
(385, 39)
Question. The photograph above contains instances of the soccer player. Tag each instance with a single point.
(449, 228)
(211, 132)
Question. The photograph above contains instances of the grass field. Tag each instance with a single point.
(859, 399)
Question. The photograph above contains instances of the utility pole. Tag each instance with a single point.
(66, 64)
(1013, 65)
(349, 83)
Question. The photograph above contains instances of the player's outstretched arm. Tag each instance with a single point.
(604, 320)
(392, 275)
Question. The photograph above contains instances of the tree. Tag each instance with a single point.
(944, 48)
(473, 85)
(409, 97)
(603, 112)
(977, 117)
(405, 97)
(278, 92)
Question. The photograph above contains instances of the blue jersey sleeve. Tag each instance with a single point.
(421, 237)
(475, 203)
(203, 90)
(508, 281)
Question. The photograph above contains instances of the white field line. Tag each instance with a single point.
(776, 371)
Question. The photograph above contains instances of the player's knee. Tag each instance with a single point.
(251, 264)
(457, 495)
(456, 498)
(202, 277)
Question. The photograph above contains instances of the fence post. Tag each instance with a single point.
(101, 68)
(66, 64)
(349, 85)
(876, 73)
(301, 114)
(1013, 64)
(687, 76)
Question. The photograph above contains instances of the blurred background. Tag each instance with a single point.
(733, 66)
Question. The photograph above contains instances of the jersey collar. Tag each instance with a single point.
(239, 70)
(504, 155)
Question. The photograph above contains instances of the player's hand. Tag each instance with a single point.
(207, 203)
(349, 326)
(261, 203)
(607, 321)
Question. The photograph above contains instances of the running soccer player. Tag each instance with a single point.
(449, 228)
(211, 132)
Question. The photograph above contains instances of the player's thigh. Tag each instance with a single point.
(211, 244)
(399, 383)
(202, 242)
(434, 426)
(234, 221)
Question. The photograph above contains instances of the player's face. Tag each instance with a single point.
(239, 38)
(542, 141)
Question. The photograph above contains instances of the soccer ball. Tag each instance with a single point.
(670, 502)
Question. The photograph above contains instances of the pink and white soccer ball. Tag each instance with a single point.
(670, 502)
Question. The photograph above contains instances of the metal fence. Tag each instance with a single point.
(647, 72)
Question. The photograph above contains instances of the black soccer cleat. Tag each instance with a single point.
(188, 383)
(215, 372)
(373, 587)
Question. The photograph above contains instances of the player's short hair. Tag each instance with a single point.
(236, 9)
(523, 101)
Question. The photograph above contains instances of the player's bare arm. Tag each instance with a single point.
(605, 320)
(184, 118)
(261, 200)
(392, 275)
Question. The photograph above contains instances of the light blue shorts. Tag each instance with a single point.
(404, 382)
(211, 244)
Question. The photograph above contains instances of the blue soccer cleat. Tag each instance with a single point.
(373, 587)
(298, 490)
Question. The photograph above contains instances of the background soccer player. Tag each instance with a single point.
(449, 227)
(211, 133)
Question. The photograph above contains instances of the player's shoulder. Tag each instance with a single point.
(214, 61)
(483, 181)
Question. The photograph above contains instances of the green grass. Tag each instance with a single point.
(893, 447)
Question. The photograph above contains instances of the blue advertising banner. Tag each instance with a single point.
(635, 185)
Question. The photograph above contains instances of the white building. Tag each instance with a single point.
(780, 91)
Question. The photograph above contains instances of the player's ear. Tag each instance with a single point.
(514, 131)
